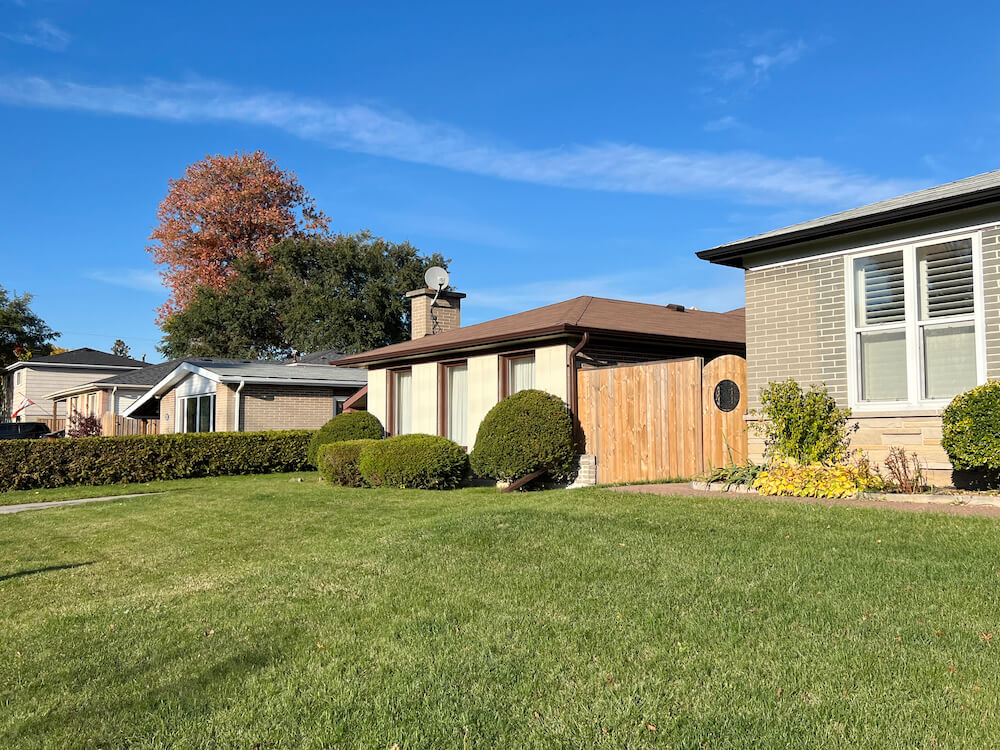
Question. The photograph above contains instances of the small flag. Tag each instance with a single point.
(25, 403)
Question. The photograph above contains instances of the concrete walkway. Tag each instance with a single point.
(955, 505)
(58, 503)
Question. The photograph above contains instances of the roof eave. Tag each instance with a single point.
(732, 254)
(360, 360)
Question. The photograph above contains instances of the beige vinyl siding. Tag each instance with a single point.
(36, 383)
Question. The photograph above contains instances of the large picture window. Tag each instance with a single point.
(914, 323)
(400, 401)
(198, 413)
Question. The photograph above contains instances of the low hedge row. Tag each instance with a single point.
(339, 463)
(35, 464)
(352, 425)
(418, 462)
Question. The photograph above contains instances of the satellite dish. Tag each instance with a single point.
(436, 278)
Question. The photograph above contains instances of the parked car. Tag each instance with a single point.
(23, 430)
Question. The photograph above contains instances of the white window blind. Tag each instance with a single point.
(881, 289)
(402, 402)
(883, 365)
(458, 403)
(522, 374)
(946, 285)
(949, 353)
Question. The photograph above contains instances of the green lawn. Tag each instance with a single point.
(254, 612)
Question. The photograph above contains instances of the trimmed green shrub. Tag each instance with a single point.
(528, 431)
(352, 425)
(31, 464)
(339, 463)
(971, 429)
(424, 462)
(804, 426)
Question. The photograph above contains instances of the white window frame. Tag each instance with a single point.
(182, 412)
(911, 324)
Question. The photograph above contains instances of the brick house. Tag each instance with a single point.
(895, 306)
(206, 395)
(447, 377)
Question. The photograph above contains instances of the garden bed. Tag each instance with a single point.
(950, 497)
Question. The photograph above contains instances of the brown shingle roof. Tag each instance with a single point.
(593, 314)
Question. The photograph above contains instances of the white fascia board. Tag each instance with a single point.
(289, 381)
(177, 375)
(38, 364)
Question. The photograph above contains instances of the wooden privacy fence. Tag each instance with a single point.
(656, 420)
(113, 424)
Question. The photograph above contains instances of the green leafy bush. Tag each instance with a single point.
(804, 426)
(971, 429)
(352, 425)
(31, 464)
(427, 462)
(528, 431)
(340, 463)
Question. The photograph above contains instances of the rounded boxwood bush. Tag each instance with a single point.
(425, 462)
(352, 425)
(528, 431)
(971, 429)
(338, 463)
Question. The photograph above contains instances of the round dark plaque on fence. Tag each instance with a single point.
(727, 395)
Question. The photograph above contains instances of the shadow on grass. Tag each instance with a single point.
(50, 568)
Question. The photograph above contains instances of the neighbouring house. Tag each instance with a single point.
(446, 378)
(895, 306)
(210, 395)
(108, 398)
(36, 379)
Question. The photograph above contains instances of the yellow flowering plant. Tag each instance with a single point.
(819, 479)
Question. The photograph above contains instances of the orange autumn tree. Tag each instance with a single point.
(224, 208)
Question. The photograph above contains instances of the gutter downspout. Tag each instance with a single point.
(572, 389)
(236, 416)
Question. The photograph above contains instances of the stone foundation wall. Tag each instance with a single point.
(918, 433)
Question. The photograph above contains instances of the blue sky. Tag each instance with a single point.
(550, 150)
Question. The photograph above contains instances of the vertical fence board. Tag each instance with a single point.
(659, 419)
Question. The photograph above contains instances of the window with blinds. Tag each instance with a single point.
(925, 350)
(946, 286)
(882, 291)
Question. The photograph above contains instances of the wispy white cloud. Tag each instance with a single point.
(616, 167)
(727, 122)
(132, 278)
(750, 63)
(43, 34)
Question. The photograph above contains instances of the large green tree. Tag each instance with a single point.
(21, 329)
(344, 292)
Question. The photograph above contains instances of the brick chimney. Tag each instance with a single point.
(447, 310)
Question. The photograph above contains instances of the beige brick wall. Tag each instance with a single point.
(168, 412)
(796, 326)
(225, 407)
(448, 310)
(991, 295)
(285, 408)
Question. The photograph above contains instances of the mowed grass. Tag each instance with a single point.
(255, 612)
